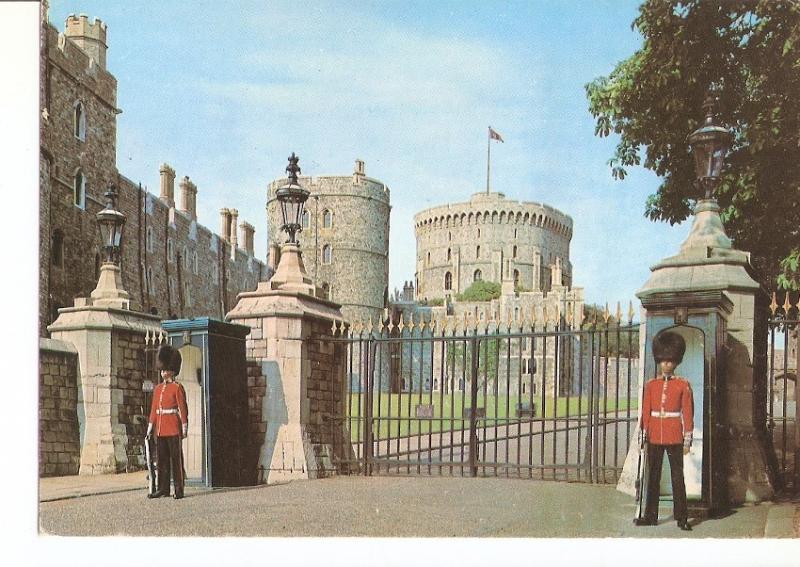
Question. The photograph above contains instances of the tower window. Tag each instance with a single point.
(428, 260)
(326, 290)
(79, 122)
(195, 263)
(185, 258)
(79, 190)
(326, 254)
(170, 250)
(514, 252)
(449, 255)
(150, 282)
(149, 239)
(57, 249)
(516, 278)
(304, 221)
(477, 276)
(448, 281)
(327, 219)
(477, 251)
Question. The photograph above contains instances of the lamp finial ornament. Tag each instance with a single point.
(293, 169)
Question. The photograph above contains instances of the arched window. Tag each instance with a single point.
(185, 258)
(449, 236)
(79, 122)
(448, 281)
(326, 254)
(170, 250)
(428, 260)
(149, 239)
(57, 249)
(327, 219)
(479, 233)
(79, 190)
(515, 233)
(326, 290)
(514, 252)
(516, 278)
(195, 263)
(477, 251)
(449, 254)
(305, 220)
(477, 276)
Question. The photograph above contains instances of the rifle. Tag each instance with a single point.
(641, 478)
(152, 473)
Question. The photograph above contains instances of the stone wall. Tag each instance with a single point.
(169, 284)
(128, 412)
(358, 273)
(59, 441)
(494, 235)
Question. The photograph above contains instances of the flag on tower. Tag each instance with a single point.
(494, 135)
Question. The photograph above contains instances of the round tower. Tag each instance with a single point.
(344, 238)
(491, 238)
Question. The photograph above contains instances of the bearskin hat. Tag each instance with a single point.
(669, 346)
(169, 359)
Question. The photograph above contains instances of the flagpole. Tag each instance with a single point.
(488, 157)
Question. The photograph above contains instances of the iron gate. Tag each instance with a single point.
(525, 399)
(783, 359)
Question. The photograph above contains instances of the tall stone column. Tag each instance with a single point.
(111, 368)
(296, 374)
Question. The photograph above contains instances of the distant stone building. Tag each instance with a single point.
(490, 238)
(344, 239)
(171, 265)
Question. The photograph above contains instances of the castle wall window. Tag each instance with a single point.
(448, 281)
(79, 121)
(449, 254)
(327, 219)
(479, 233)
(516, 278)
(305, 220)
(477, 276)
(185, 258)
(149, 239)
(79, 190)
(428, 260)
(514, 252)
(326, 290)
(477, 251)
(57, 249)
(326, 254)
(195, 263)
(170, 250)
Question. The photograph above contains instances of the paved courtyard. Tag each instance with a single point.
(383, 506)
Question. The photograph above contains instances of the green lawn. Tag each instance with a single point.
(393, 411)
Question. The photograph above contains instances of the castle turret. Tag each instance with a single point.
(90, 37)
(167, 184)
(232, 236)
(189, 198)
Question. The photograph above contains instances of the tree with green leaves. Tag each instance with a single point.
(747, 53)
(480, 291)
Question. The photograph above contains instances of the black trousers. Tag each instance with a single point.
(170, 461)
(655, 456)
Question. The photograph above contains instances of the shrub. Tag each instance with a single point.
(480, 291)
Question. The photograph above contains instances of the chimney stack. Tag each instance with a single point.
(358, 173)
(225, 224)
(248, 237)
(234, 239)
(189, 197)
(167, 185)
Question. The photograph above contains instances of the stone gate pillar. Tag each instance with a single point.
(112, 419)
(296, 374)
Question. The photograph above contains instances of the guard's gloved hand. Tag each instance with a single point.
(642, 437)
(184, 431)
(149, 431)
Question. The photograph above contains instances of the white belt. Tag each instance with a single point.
(166, 411)
(665, 413)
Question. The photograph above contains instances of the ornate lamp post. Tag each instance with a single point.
(710, 144)
(110, 221)
(290, 274)
(292, 198)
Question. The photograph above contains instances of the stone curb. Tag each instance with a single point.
(780, 521)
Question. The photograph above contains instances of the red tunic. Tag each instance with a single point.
(168, 412)
(671, 401)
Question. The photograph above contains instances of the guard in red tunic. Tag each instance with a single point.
(169, 418)
(667, 423)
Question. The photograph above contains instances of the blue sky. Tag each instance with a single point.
(224, 92)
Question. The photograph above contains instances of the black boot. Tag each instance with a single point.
(684, 525)
(645, 522)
